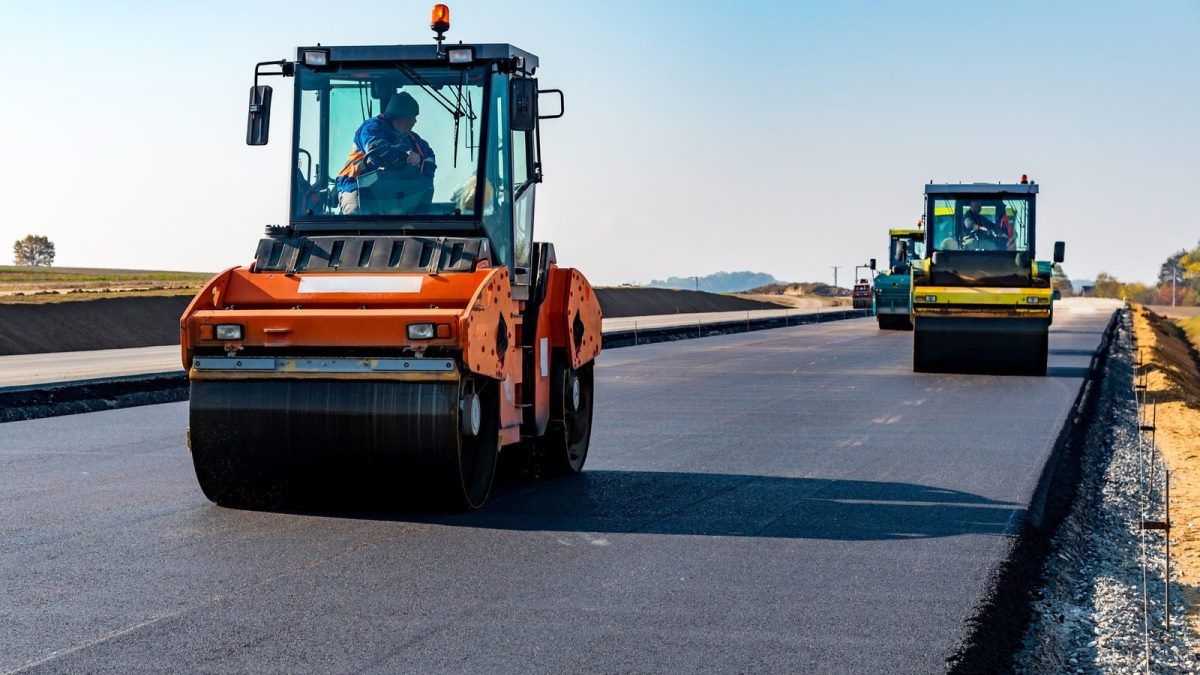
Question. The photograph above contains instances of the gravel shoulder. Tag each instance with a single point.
(1089, 617)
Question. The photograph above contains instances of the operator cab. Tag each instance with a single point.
(906, 246)
(981, 217)
(982, 234)
(456, 158)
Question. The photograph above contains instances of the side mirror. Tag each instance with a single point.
(258, 123)
(872, 263)
(523, 105)
(562, 104)
(1060, 251)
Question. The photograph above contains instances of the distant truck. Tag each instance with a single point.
(893, 287)
(862, 296)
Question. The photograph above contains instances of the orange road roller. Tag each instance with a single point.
(404, 328)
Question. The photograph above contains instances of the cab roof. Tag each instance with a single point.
(981, 189)
(906, 233)
(367, 53)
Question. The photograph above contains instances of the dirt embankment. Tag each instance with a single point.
(1171, 368)
(108, 323)
(619, 302)
(807, 294)
(802, 288)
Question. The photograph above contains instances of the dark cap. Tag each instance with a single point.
(402, 105)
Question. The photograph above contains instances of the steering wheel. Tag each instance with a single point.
(381, 155)
(979, 242)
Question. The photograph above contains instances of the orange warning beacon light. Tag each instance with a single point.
(440, 20)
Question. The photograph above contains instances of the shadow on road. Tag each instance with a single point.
(730, 505)
(1079, 372)
(1073, 352)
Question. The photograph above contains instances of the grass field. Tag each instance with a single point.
(57, 284)
(1192, 328)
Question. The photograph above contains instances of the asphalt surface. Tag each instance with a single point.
(791, 499)
(56, 367)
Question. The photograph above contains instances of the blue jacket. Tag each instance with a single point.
(379, 129)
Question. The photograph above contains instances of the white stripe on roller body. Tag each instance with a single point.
(360, 284)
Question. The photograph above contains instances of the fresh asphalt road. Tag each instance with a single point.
(21, 370)
(790, 499)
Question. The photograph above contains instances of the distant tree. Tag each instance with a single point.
(1106, 286)
(1184, 296)
(34, 250)
(1138, 292)
(1190, 269)
(1173, 267)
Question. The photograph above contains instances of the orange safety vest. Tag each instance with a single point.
(355, 165)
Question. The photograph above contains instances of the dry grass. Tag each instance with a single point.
(55, 284)
(1192, 328)
(76, 296)
(1172, 372)
(1175, 312)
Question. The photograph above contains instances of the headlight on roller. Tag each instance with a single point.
(229, 331)
(460, 55)
(1033, 299)
(316, 58)
(421, 331)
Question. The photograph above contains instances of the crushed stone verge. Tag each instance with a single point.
(1089, 617)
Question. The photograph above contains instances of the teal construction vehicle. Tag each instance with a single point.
(893, 296)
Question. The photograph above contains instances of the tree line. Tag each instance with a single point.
(1179, 276)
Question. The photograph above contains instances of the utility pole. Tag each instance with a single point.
(835, 269)
(697, 280)
(1174, 276)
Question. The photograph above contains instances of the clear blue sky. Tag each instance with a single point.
(699, 136)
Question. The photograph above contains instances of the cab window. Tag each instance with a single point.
(980, 224)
